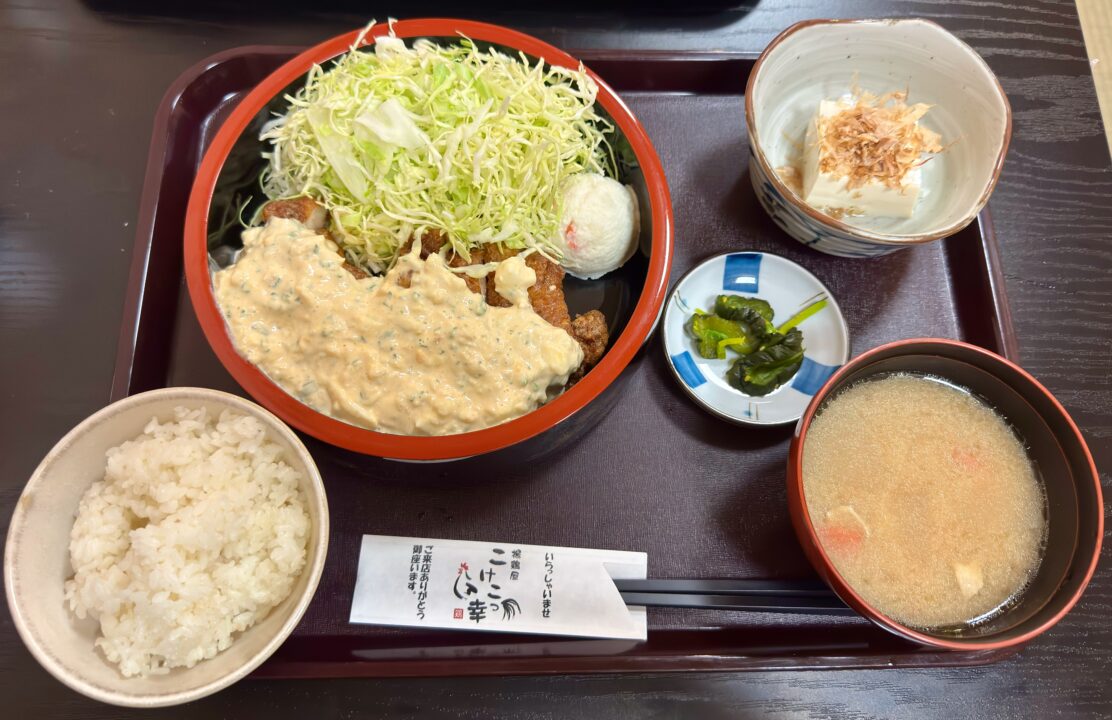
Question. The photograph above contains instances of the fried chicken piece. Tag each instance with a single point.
(590, 330)
(305, 210)
(546, 295)
(312, 215)
(475, 285)
(357, 272)
(495, 253)
(431, 242)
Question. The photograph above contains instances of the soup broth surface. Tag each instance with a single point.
(924, 499)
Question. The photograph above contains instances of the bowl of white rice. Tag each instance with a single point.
(165, 547)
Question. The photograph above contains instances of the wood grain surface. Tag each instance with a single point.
(82, 81)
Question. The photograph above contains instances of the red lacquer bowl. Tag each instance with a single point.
(634, 295)
(1075, 509)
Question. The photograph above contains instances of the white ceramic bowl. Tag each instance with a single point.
(788, 288)
(37, 564)
(822, 59)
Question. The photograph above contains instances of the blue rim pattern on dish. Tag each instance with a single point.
(689, 372)
(789, 288)
(812, 376)
(742, 273)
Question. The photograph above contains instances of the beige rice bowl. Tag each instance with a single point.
(198, 529)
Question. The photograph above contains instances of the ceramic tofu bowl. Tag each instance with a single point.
(820, 60)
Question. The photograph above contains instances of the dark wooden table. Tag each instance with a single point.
(80, 85)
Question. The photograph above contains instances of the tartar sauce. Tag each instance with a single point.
(429, 359)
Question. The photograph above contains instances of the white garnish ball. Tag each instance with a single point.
(599, 227)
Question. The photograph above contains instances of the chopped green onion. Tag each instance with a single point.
(731, 342)
(802, 315)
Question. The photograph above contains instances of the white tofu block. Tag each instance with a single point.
(828, 192)
(970, 580)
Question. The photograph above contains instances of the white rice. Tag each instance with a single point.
(198, 529)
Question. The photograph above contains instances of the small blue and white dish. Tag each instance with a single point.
(788, 288)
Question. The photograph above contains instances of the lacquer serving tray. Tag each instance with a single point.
(702, 497)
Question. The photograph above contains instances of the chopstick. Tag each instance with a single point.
(779, 596)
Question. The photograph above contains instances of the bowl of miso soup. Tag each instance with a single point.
(946, 495)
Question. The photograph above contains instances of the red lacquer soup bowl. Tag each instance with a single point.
(1074, 508)
(631, 298)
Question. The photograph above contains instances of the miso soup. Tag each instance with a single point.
(924, 499)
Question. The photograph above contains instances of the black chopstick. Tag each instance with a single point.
(784, 588)
(781, 596)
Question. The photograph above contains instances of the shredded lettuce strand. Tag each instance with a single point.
(398, 140)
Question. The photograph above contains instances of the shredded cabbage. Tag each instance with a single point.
(403, 140)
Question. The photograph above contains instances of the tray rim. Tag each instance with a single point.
(1002, 331)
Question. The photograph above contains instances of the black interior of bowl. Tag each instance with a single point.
(1059, 462)
(238, 195)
